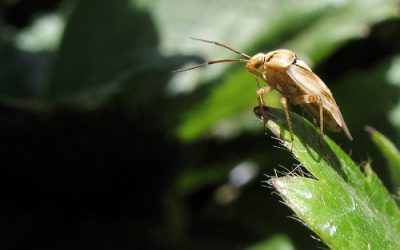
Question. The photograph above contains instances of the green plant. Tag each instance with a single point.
(103, 144)
(346, 207)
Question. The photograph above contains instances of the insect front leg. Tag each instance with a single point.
(260, 94)
(261, 91)
(308, 99)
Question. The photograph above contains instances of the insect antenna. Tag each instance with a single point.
(211, 62)
(222, 45)
(216, 61)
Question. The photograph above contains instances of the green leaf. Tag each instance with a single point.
(21, 72)
(390, 153)
(342, 22)
(103, 42)
(222, 102)
(346, 208)
(276, 242)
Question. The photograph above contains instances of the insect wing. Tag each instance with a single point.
(313, 85)
(310, 82)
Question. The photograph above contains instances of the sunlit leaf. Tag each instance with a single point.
(347, 208)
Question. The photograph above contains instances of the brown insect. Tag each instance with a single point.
(282, 70)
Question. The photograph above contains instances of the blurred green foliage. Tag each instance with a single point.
(105, 148)
(391, 155)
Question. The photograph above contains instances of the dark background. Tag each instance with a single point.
(99, 153)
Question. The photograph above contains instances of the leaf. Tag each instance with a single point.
(21, 72)
(346, 208)
(276, 242)
(102, 43)
(390, 153)
(223, 101)
(344, 21)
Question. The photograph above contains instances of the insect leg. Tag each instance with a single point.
(307, 99)
(260, 98)
(286, 109)
(261, 92)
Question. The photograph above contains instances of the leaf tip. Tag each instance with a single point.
(277, 183)
(370, 130)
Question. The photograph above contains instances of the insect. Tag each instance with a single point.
(282, 70)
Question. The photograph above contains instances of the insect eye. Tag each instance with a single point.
(258, 64)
